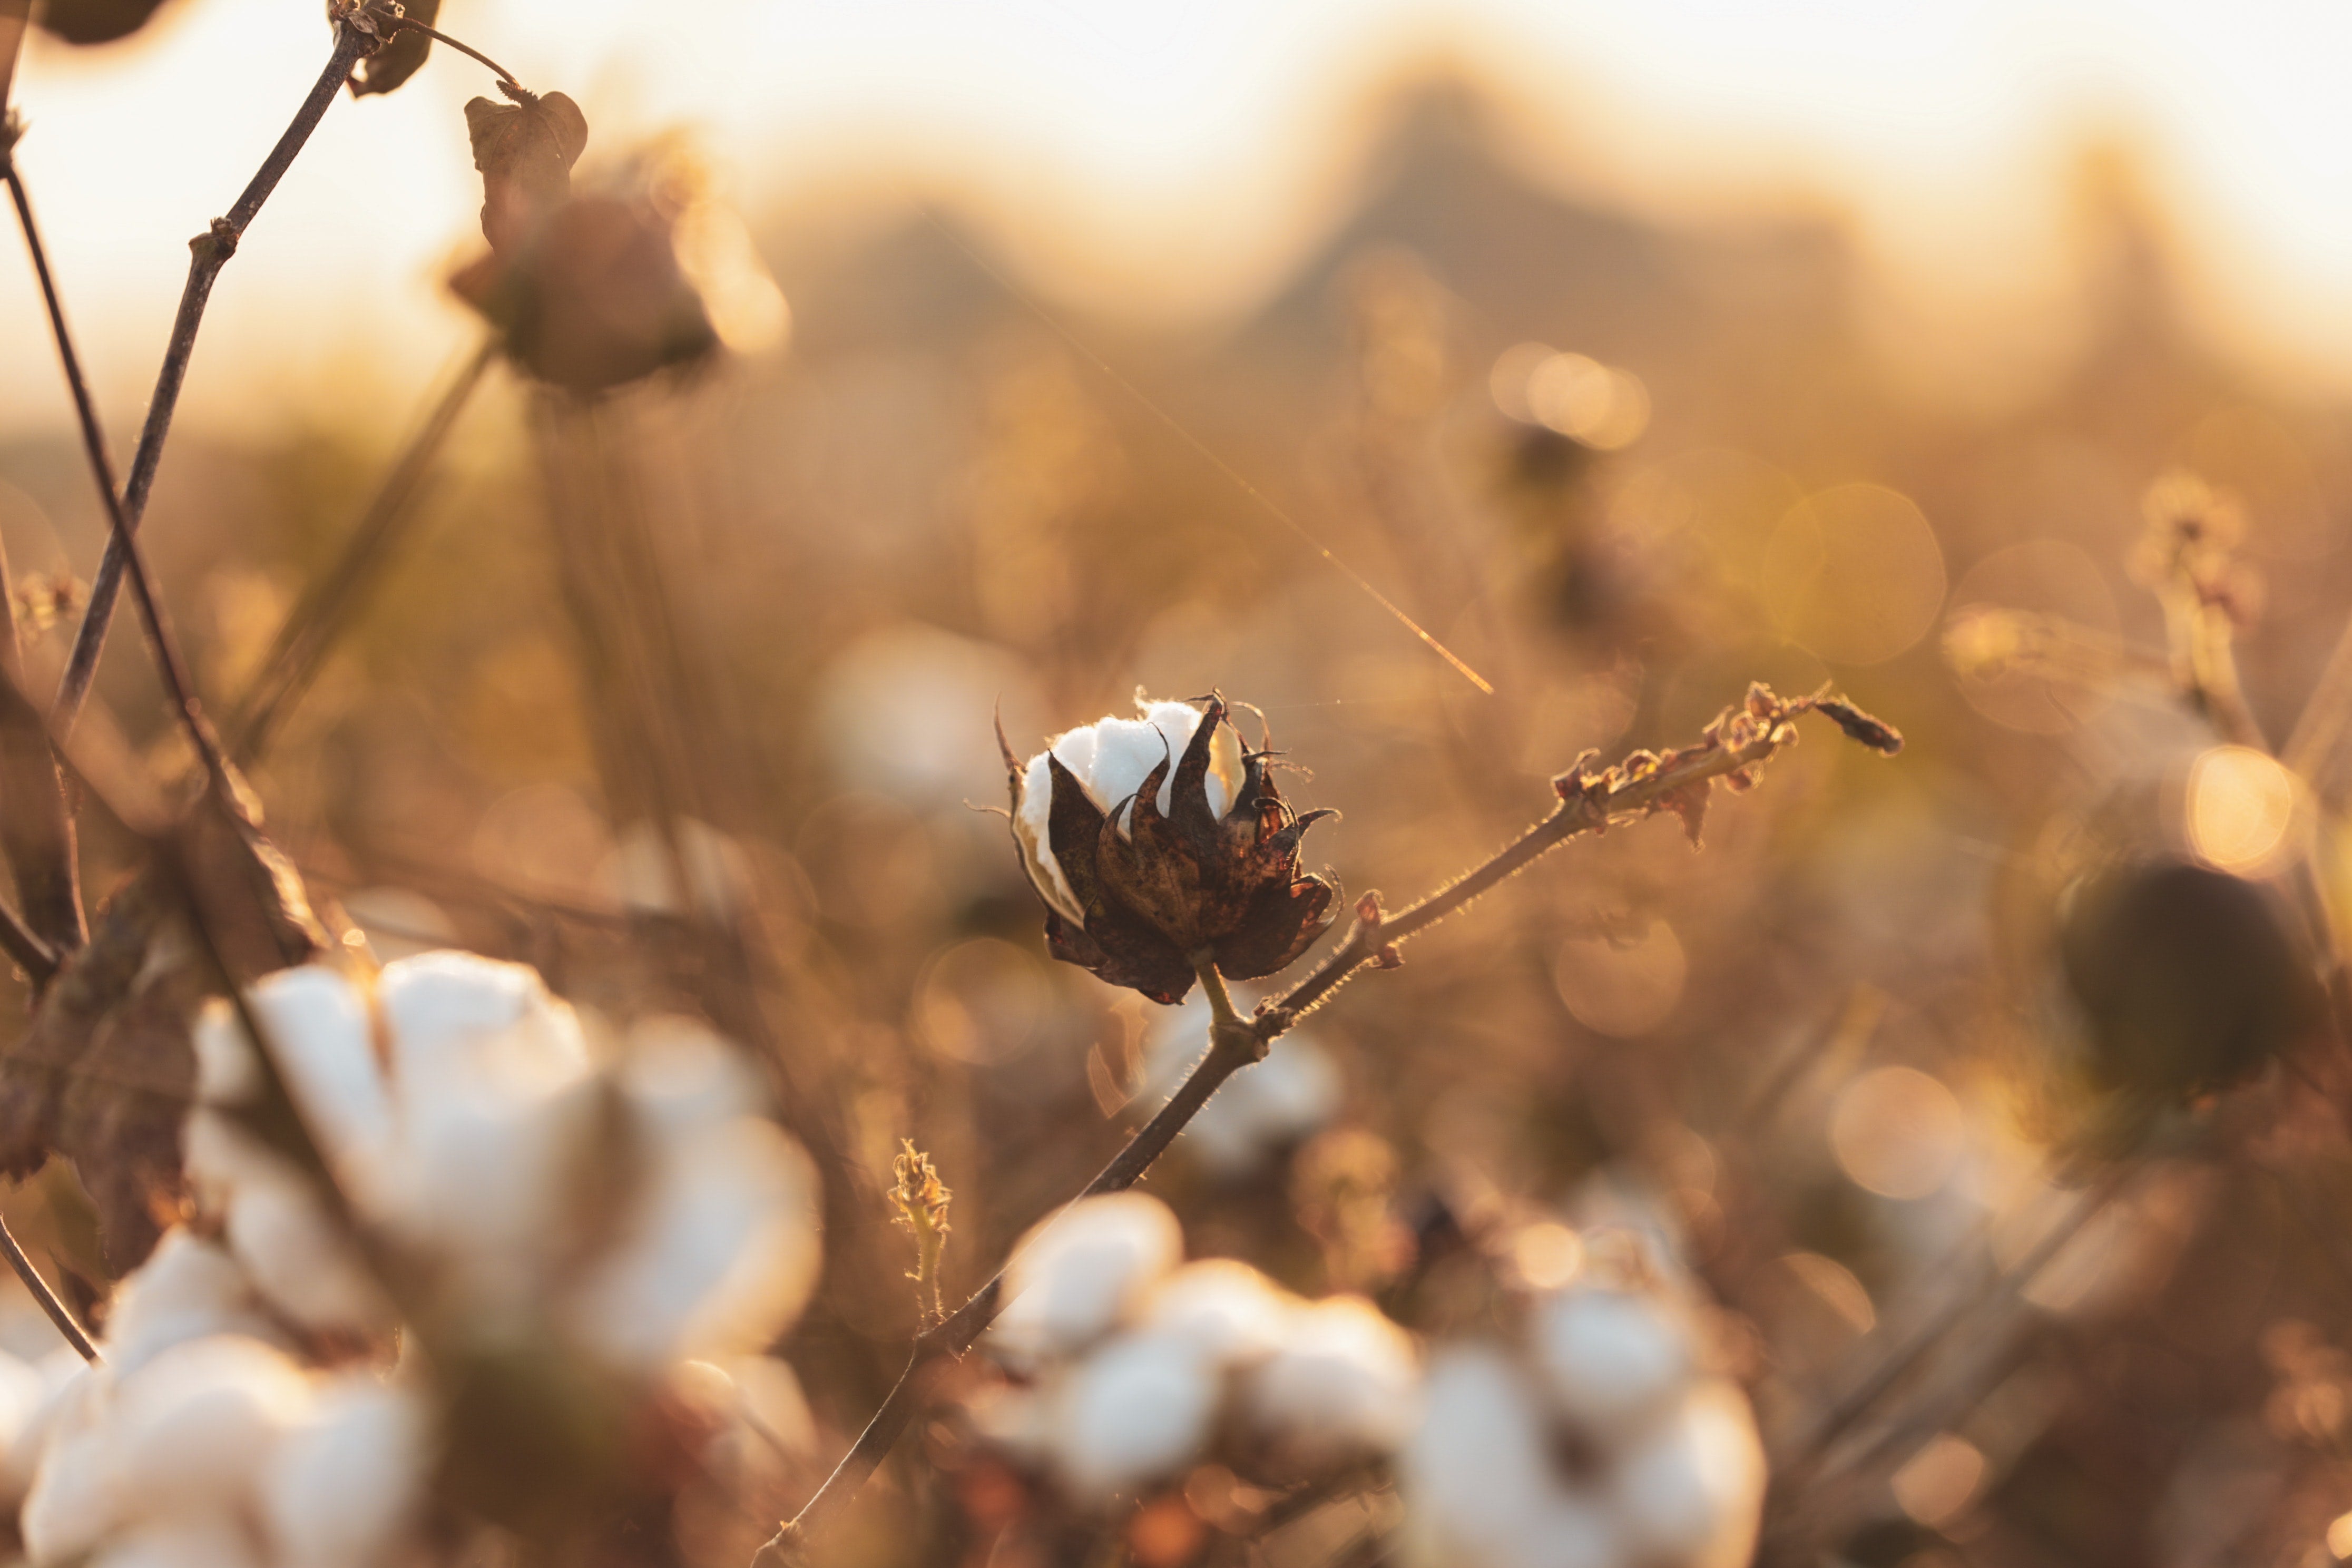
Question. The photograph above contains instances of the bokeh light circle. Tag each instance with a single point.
(1899, 1132)
(1620, 988)
(1853, 574)
(2241, 804)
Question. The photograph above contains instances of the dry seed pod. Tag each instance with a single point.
(1142, 869)
(2186, 976)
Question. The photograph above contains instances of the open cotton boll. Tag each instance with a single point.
(343, 1488)
(1477, 1479)
(1611, 1358)
(1018, 1420)
(1342, 1383)
(1111, 758)
(59, 1378)
(299, 1260)
(186, 1289)
(441, 1008)
(318, 1030)
(721, 1253)
(1079, 1273)
(75, 1498)
(721, 1248)
(1232, 1312)
(191, 1430)
(23, 1391)
(1140, 1409)
(212, 1540)
(1691, 1492)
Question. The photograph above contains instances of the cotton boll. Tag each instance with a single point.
(1611, 1358)
(441, 1008)
(62, 1374)
(188, 1288)
(191, 1429)
(23, 1391)
(1110, 759)
(76, 1498)
(212, 1540)
(299, 1260)
(720, 1254)
(1138, 1410)
(1229, 1309)
(1079, 1274)
(342, 1487)
(321, 1035)
(1690, 1492)
(1474, 1474)
(1019, 1421)
(1341, 1384)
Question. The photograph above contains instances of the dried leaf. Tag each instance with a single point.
(525, 152)
(402, 55)
(1875, 733)
(14, 15)
(1689, 803)
(104, 1073)
(37, 831)
(96, 21)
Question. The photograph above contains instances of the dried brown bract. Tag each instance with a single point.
(1134, 890)
(1731, 749)
(403, 52)
(586, 289)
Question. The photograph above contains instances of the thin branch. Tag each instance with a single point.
(210, 252)
(505, 77)
(60, 1314)
(300, 649)
(168, 662)
(1644, 784)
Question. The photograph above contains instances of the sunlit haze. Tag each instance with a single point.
(1168, 161)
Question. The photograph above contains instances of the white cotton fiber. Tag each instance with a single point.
(1079, 1274)
(1138, 1410)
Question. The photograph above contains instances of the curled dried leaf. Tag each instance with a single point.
(525, 152)
(1875, 733)
(402, 55)
(95, 21)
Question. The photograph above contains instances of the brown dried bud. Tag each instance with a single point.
(2188, 978)
(1143, 861)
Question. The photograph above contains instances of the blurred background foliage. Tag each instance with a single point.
(749, 624)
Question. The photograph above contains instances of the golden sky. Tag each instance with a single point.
(1175, 156)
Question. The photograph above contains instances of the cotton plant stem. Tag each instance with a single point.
(1367, 943)
(2322, 722)
(59, 1313)
(1809, 1452)
(210, 252)
(1235, 1043)
(300, 649)
(122, 543)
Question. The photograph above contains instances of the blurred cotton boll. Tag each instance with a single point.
(723, 1248)
(469, 1134)
(1140, 1409)
(1230, 1311)
(1278, 1103)
(1610, 1357)
(1081, 1273)
(903, 712)
(1667, 1469)
(346, 1483)
(1212, 1363)
(1343, 1383)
